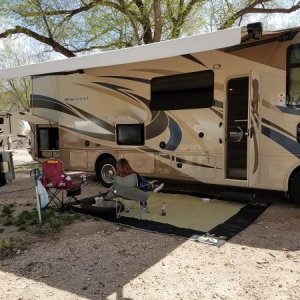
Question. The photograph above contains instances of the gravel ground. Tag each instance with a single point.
(95, 259)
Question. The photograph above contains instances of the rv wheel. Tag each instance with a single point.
(106, 171)
(294, 190)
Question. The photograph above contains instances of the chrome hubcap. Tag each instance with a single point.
(108, 173)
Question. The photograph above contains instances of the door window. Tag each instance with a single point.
(293, 76)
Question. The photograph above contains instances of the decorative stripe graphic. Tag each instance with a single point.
(255, 117)
(181, 160)
(124, 91)
(157, 126)
(175, 135)
(278, 127)
(219, 114)
(154, 114)
(285, 142)
(218, 103)
(288, 110)
(106, 137)
(265, 103)
(147, 81)
(148, 149)
(142, 99)
(254, 121)
(95, 120)
(255, 152)
(157, 71)
(194, 59)
(111, 86)
(39, 101)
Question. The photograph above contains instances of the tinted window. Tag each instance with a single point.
(183, 91)
(293, 75)
(48, 138)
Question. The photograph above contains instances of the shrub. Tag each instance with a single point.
(7, 248)
(52, 221)
(7, 210)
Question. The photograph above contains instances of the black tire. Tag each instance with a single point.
(294, 189)
(106, 171)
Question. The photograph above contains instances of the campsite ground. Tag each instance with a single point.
(95, 259)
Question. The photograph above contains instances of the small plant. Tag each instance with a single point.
(53, 221)
(9, 221)
(7, 248)
(7, 210)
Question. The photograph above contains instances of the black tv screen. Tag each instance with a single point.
(130, 134)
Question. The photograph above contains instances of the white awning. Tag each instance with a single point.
(181, 46)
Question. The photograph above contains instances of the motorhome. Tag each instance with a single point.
(11, 127)
(219, 108)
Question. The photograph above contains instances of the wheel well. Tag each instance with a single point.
(293, 174)
(102, 157)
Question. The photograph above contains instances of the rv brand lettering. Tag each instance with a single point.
(77, 99)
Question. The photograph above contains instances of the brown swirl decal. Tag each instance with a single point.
(157, 71)
(254, 124)
(194, 59)
(95, 120)
(136, 79)
(100, 136)
(158, 125)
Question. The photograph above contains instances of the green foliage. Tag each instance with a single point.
(15, 93)
(7, 210)
(9, 221)
(7, 244)
(53, 221)
(8, 248)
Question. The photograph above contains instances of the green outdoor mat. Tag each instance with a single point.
(206, 220)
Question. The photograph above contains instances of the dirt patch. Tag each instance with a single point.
(95, 259)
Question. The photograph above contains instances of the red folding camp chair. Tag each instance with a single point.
(60, 188)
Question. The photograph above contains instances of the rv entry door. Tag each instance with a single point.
(237, 128)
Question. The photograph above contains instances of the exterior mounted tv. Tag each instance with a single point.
(130, 134)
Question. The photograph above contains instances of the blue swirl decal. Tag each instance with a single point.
(175, 135)
(288, 110)
(290, 145)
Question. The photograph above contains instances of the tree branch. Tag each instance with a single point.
(157, 21)
(182, 15)
(253, 9)
(46, 40)
(145, 21)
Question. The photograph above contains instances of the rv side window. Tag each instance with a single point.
(183, 91)
(130, 134)
(48, 138)
(1, 120)
(293, 75)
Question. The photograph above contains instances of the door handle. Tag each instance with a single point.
(235, 133)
